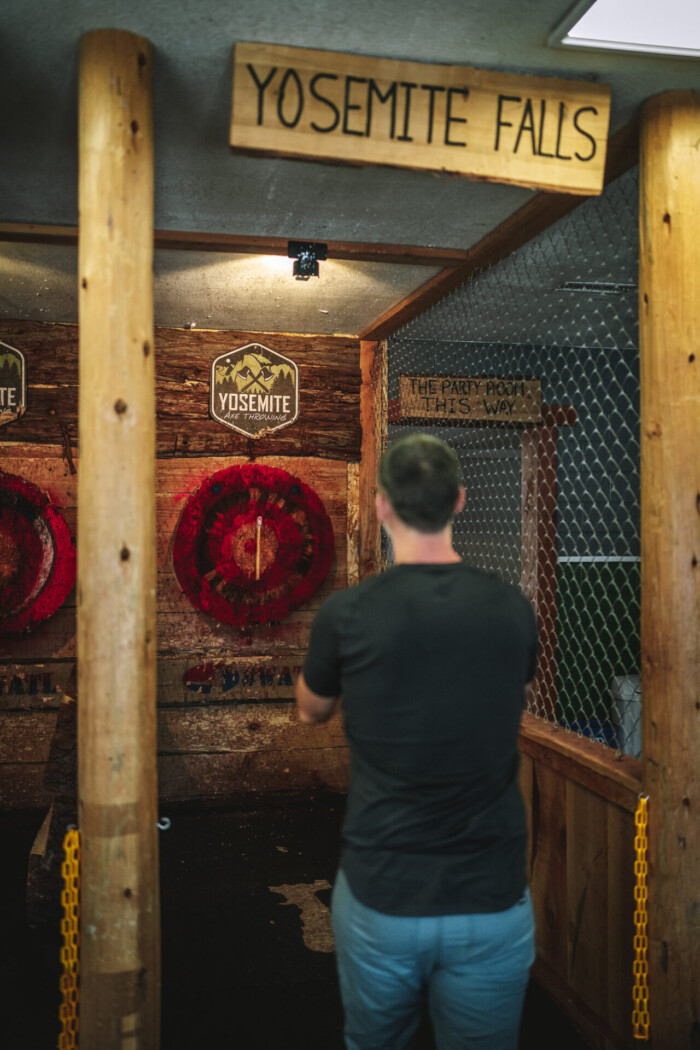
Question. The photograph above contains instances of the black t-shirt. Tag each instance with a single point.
(431, 662)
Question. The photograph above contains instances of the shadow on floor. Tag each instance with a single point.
(245, 935)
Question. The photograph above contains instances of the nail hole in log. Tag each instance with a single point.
(120, 407)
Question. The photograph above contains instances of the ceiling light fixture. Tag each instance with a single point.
(306, 257)
(647, 27)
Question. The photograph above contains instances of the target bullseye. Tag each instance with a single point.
(252, 544)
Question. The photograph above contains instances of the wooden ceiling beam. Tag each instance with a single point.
(183, 240)
(542, 211)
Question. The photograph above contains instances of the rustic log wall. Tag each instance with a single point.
(226, 721)
(329, 382)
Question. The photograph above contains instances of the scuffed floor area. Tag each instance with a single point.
(247, 950)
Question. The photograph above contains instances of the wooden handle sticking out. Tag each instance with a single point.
(258, 527)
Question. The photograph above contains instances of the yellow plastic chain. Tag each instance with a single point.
(70, 951)
(640, 991)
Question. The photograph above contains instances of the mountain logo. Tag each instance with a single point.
(13, 383)
(254, 390)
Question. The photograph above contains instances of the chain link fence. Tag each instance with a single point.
(531, 373)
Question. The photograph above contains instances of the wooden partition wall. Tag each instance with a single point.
(225, 720)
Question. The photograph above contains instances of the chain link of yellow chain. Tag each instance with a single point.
(70, 950)
(640, 991)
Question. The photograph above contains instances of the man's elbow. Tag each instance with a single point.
(312, 708)
(307, 717)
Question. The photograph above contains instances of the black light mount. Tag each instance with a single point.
(306, 257)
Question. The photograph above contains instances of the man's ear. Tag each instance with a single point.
(382, 506)
(460, 499)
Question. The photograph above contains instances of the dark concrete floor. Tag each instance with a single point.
(244, 895)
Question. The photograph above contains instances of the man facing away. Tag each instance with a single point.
(431, 658)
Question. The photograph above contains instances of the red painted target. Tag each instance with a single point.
(37, 555)
(252, 544)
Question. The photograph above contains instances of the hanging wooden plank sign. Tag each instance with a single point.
(323, 105)
(13, 383)
(470, 399)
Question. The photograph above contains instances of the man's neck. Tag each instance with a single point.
(423, 548)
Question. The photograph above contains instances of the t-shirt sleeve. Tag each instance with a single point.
(322, 664)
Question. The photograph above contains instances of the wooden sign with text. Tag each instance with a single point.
(33, 685)
(324, 105)
(242, 680)
(469, 399)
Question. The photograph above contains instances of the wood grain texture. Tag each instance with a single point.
(581, 867)
(465, 399)
(538, 573)
(329, 377)
(582, 761)
(374, 416)
(670, 537)
(532, 131)
(206, 241)
(353, 524)
(182, 629)
(548, 865)
(119, 909)
(187, 639)
(587, 896)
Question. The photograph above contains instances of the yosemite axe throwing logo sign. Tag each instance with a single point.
(254, 390)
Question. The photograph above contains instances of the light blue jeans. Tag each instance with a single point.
(470, 970)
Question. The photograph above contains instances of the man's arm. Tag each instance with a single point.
(312, 708)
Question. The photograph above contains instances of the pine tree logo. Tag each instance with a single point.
(13, 383)
(254, 390)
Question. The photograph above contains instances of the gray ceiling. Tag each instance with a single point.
(201, 186)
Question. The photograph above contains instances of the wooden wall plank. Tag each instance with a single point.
(619, 955)
(374, 416)
(584, 761)
(353, 524)
(26, 736)
(222, 730)
(219, 776)
(586, 896)
(181, 628)
(329, 378)
(198, 241)
(548, 865)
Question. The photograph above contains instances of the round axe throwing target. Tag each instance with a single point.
(252, 544)
(37, 555)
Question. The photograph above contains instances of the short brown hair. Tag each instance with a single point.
(420, 476)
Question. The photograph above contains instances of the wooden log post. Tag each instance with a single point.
(374, 416)
(117, 787)
(670, 494)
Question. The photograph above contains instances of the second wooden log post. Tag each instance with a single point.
(669, 316)
(116, 594)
